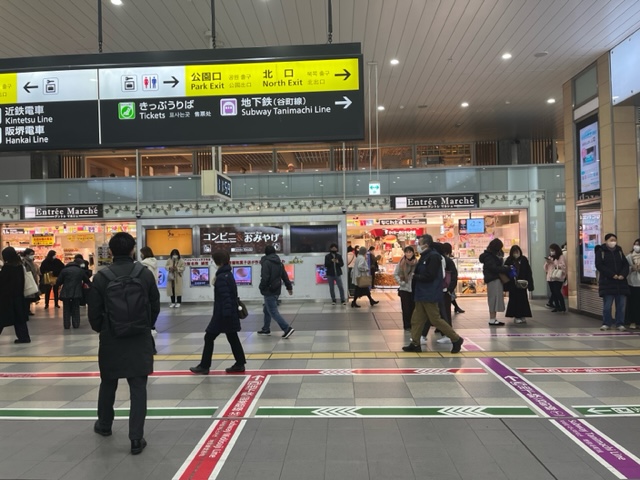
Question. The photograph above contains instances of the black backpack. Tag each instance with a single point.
(127, 303)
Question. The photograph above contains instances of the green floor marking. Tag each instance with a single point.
(609, 410)
(182, 412)
(356, 412)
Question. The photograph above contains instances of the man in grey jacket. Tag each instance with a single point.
(123, 357)
(272, 275)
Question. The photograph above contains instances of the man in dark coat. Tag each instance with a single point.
(333, 264)
(272, 275)
(613, 267)
(225, 319)
(128, 357)
(71, 279)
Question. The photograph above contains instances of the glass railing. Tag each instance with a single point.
(282, 185)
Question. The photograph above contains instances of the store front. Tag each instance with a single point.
(468, 231)
(67, 229)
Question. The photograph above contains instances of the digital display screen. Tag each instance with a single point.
(290, 269)
(199, 276)
(475, 225)
(242, 275)
(589, 158)
(590, 227)
(321, 274)
(162, 277)
(313, 238)
(163, 240)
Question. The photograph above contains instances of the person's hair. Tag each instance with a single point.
(437, 246)
(409, 249)
(51, 254)
(363, 250)
(221, 257)
(28, 251)
(121, 244)
(78, 256)
(515, 249)
(556, 248)
(349, 249)
(10, 256)
(636, 242)
(174, 252)
(609, 235)
(147, 252)
(495, 245)
(269, 250)
(426, 239)
(333, 245)
(447, 249)
(371, 248)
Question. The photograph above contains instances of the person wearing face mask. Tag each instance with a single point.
(149, 260)
(555, 268)
(333, 264)
(27, 259)
(175, 266)
(361, 269)
(633, 303)
(518, 306)
(612, 282)
(492, 267)
(403, 274)
(427, 288)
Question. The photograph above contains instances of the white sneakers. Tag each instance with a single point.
(171, 305)
(423, 340)
(443, 340)
(605, 328)
(177, 305)
(519, 321)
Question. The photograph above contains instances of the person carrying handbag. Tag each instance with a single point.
(175, 268)
(50, 268)
(361, 277)
(519, 286)
(556, 270)
(33, 270)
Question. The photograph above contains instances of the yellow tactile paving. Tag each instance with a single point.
(341, 355)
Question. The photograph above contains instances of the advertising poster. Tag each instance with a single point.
(199, 276)
(238, 240)
(589, 158)
(162, 277)
(291, 270)
(242, 275)
(321, 274)
(163, 240)
(590, 226)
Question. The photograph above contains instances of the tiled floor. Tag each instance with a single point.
(338, 400)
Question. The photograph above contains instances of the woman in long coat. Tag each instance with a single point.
(175, 268)
(518, 306)
(361, 268)
(225, 317)
(13, 309)
(27, 258)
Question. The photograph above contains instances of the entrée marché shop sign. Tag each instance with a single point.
(435, 202)
(63, 212)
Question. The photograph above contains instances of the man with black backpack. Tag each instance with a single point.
(272, 276)
(123, 307)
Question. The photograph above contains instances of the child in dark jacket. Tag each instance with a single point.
(225, 319)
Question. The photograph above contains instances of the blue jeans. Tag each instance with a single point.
(333, 279)
(606, 309)
(270, 310)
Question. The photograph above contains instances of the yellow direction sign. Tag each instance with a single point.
(272, 77)
(8, 88)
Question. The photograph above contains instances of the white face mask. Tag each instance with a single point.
(636, 248)
(612, 244)
(422, 248)
(175, 257)
(552, 253)
(31, 257)
(516, 255)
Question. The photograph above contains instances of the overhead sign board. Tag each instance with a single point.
(435, 202)
(63, 212)
(205, 102)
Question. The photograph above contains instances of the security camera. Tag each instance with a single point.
(138, 214)
(344, 209)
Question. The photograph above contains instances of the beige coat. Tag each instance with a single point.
(177, 267)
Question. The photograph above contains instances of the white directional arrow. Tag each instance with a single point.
(599, 411)
(346, 102)
(336, 412)
(465, 411)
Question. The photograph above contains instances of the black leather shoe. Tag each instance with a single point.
(235, 368)
(374, 302)
(21, 341)
(105, 432)
(137, 446)
(412, 348)
(199, 371)
(354, 305)
(458, 310)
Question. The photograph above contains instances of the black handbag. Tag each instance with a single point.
(242, 310)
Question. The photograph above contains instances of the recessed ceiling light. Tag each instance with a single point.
(507, 102)
(464, 104)
(506, 56)
(394, 61)
(551, 100)
(116, 2)
(381, 107)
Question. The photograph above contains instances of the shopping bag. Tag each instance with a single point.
(363, 281)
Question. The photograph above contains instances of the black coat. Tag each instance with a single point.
(329, 264)
(450, 266)
(272, 271)
(71, 278)
(609, 263)
(225, 317)
(13, 308)
(53, 265)
(523, 270)
(122, 357)
(491, 266)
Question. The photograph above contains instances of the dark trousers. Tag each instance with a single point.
(71, 312)
(362, 292)
(22, 331)
(557, 299)
(632, 313)
(350, 284)
(47, 294)
(173, 299)
(236, 348)
(138, 411)
(407, 303)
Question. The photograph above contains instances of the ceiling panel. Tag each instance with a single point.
(449, 50)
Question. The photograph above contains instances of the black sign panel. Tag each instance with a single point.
(436, 202)
(62, 212)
